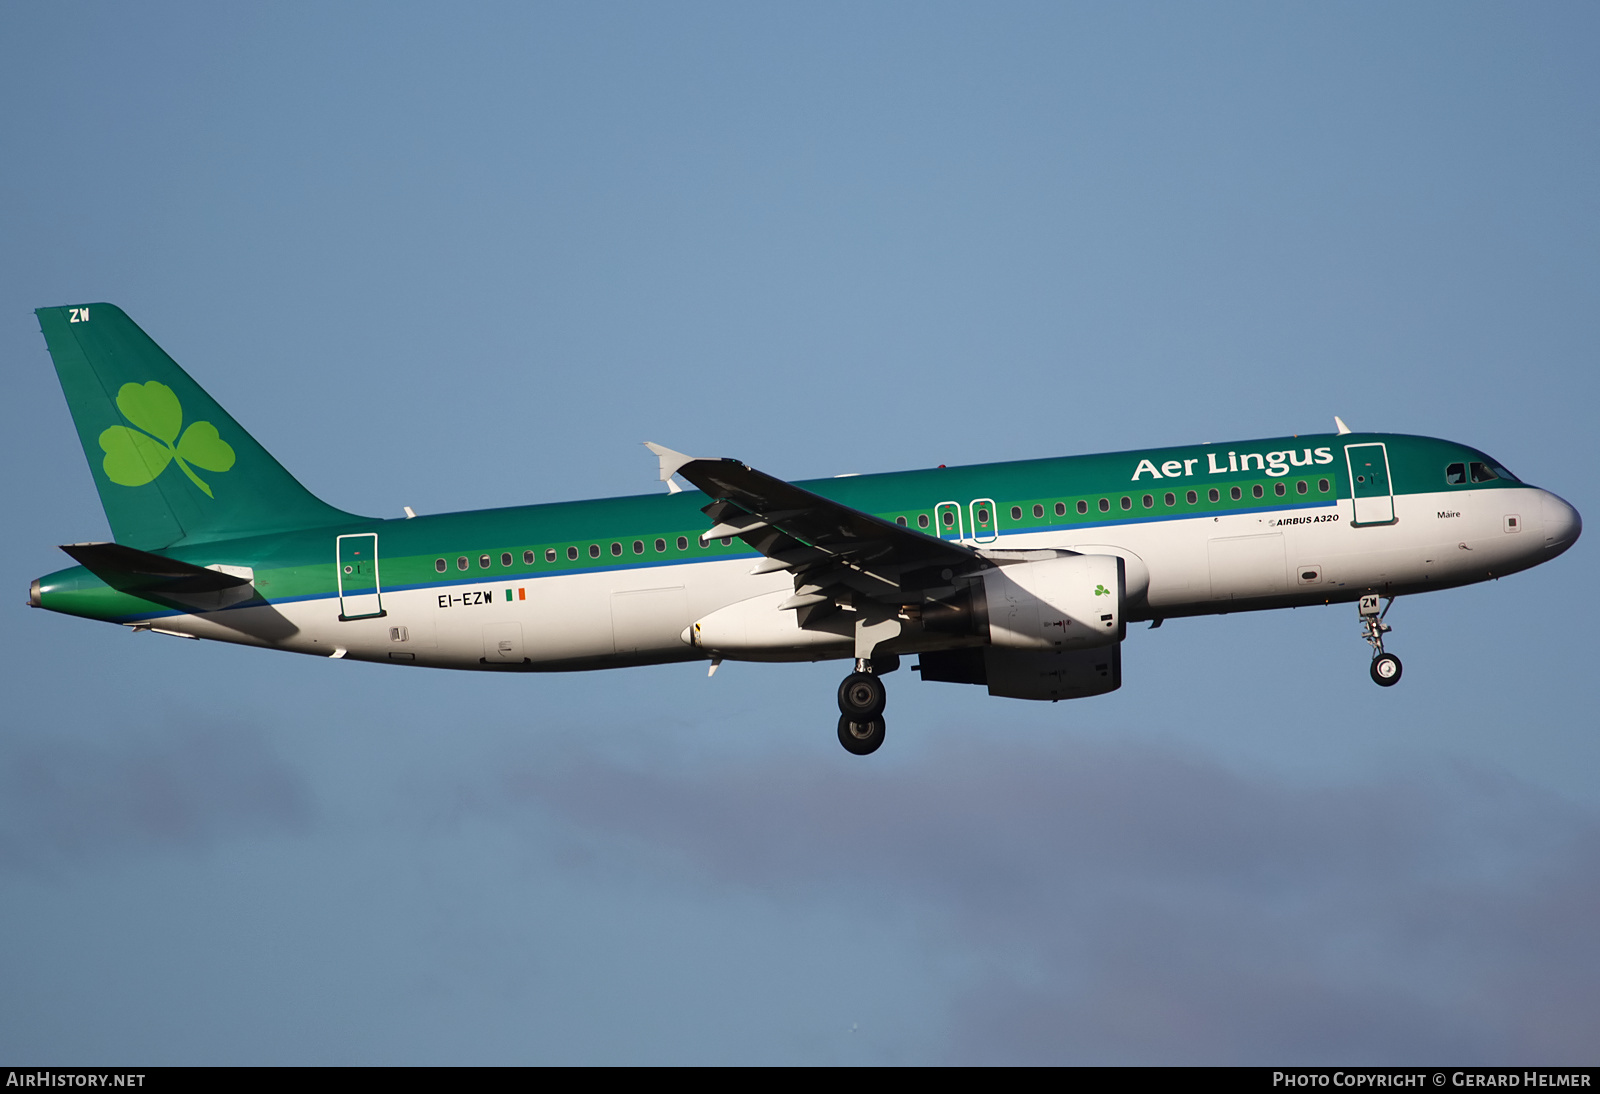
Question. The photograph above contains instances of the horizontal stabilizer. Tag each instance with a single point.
(135, 571)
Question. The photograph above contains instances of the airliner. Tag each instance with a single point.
(1021, 577)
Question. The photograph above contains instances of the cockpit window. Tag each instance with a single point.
(1458, 474)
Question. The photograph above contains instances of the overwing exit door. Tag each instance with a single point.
(360, 594)
(947, 520)
(984, 529)
(1370, 489)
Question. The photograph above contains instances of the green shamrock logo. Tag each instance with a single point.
(134, 458)
(1101, 590)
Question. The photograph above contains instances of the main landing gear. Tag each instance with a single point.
(861, 701)
(1386, 667)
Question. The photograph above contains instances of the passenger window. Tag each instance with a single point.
(1127, 503)
(1213, 495)
(1149, 502)
(1300, 487)
(922, 520)
(1083, 507)
(983, 516)
(527, 558)
(1481, 473)
(440, 565)
(727, 541)
(572, 554)
(1061, 508)
(594, 550)
(901, 521)
(1191, 497)
(1322, 485)
(661, 545)
(1256, 490)
(1105, 505)
(638, 546)
(1038, 510)
(1279, 489)
(1171, 499)
(616, 549)
(683, 543)
(461, 563)
(949, 519)
(1455, 474)
(550, 554)
(1016, 512)
(1236, 493)
(505, 558)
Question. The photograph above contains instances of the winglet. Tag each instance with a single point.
(1338, 421)
(670, 462)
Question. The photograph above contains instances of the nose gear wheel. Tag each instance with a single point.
(1386, 670)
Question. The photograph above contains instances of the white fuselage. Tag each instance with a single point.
(1185, 566)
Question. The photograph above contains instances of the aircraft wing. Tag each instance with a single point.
(838, 555)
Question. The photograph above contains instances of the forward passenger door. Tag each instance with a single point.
(1370, 489)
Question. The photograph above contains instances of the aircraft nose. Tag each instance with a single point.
(1562, 524)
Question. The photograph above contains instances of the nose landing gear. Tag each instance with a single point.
(1386, 667)
(861, 701)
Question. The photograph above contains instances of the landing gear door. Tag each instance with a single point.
(1370, 489)
(360, 593)
(947, 520)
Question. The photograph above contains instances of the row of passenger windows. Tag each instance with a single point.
(529, 558)
(948, 517)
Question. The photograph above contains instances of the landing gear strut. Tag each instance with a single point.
(861, 701)
(1385, 666)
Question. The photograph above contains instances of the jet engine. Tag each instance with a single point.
(1070, 602)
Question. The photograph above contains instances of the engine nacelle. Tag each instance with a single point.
(1059, 674)
(1072, 602)
(1029, 674)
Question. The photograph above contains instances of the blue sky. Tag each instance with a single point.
(472, 258)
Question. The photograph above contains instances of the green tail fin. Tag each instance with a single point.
(170, 464)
